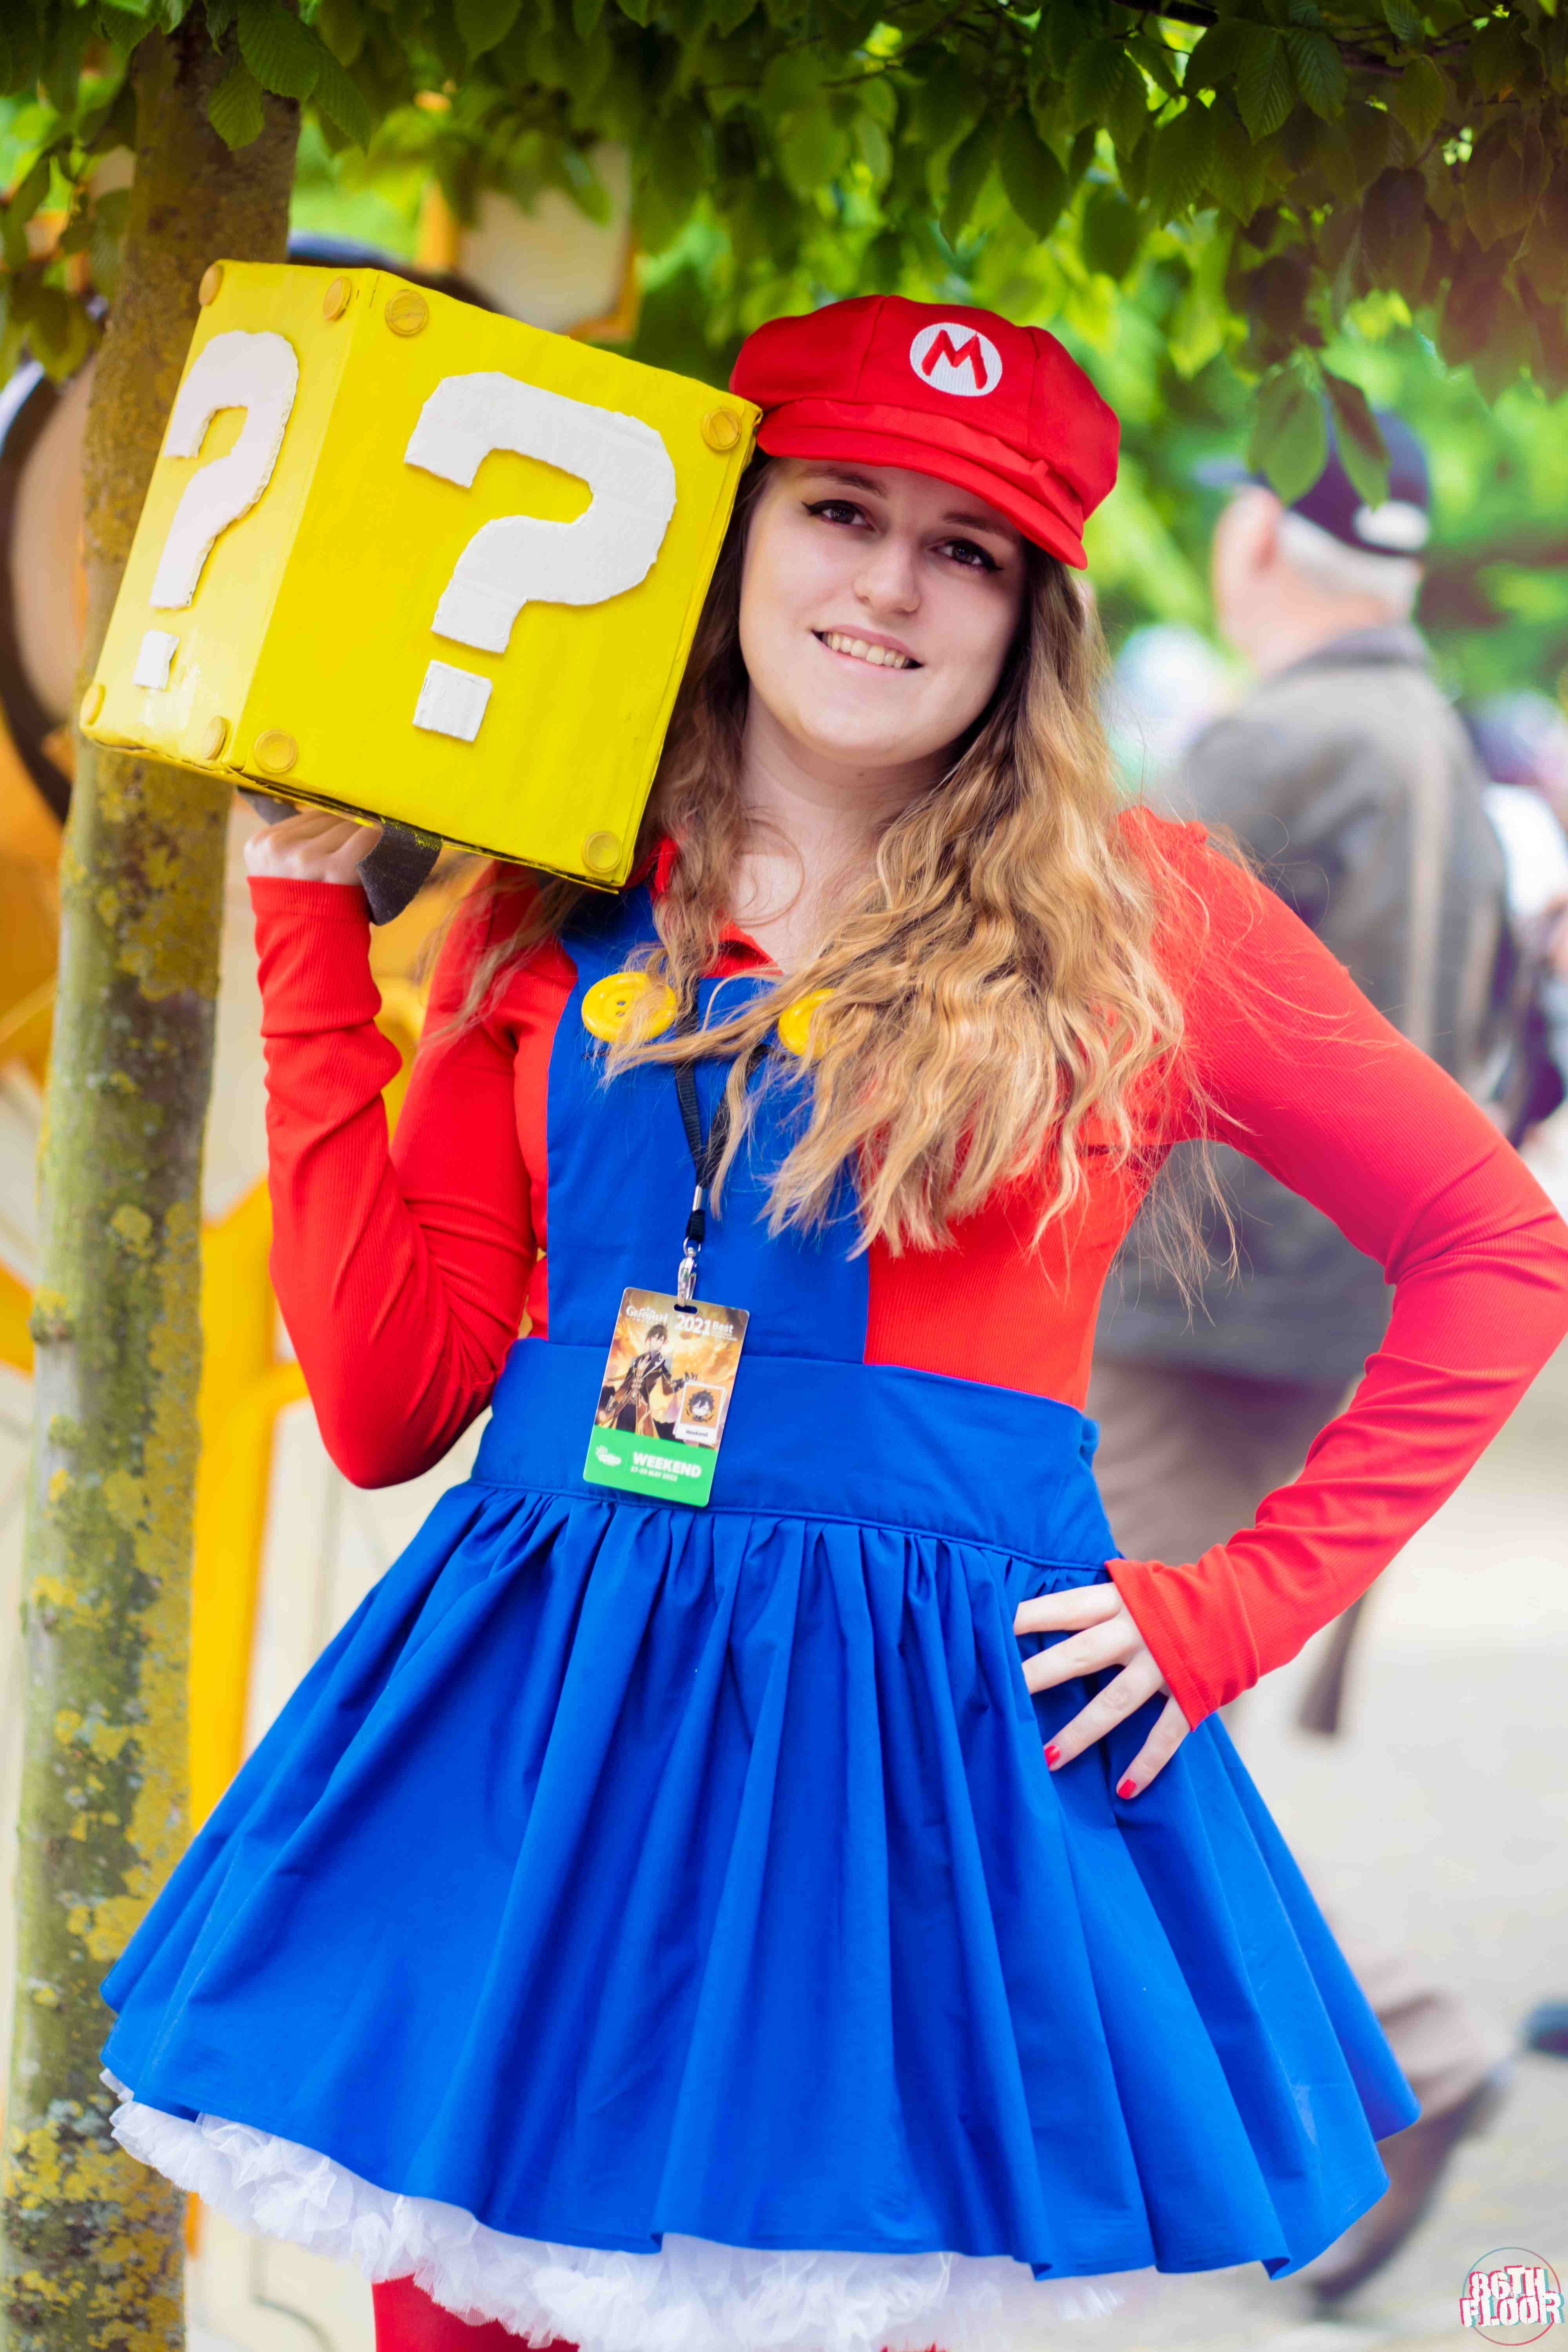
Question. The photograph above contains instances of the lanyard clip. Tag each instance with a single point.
(686, 1279)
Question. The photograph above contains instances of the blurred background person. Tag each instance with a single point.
(1353, 780)
(1521, 741)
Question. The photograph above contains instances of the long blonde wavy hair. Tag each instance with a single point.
(997, 992)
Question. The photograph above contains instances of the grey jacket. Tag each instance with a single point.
(1353, 781)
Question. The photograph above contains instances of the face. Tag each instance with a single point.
(1242, 567)
(877, 610)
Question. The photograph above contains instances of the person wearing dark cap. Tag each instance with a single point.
(1352, 781)
(827, 1911)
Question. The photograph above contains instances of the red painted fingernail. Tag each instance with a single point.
(1053, 1754)
(1125, 1787)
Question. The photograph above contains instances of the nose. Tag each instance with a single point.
(888, 579)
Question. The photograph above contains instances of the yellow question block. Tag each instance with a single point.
(408, 559)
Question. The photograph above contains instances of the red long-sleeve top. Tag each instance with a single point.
(404, 1269)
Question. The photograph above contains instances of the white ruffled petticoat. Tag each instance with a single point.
(691, 2296)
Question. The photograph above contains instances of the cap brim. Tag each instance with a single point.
(1035, 520)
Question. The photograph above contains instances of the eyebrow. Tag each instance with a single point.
(963, 516)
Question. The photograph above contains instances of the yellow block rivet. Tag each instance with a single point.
(601, 853)
(407, 313)
(607, 1004)
(335, 300)
(215, 735)
(212, 278)
(794, 1023)
(722, 430)
(92, 703)
(276, 753)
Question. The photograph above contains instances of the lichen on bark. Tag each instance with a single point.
(91, 2255)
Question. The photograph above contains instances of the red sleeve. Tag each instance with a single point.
(401, 1271)
(1308, 1078)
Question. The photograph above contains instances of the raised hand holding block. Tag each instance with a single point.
(408, 559)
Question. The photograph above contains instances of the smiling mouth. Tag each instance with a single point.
(857, 649)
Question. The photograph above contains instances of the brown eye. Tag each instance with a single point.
(973, 557)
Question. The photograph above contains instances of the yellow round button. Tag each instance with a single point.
(407, 312)
(794, 1023)
(335, 300)
(212, 280)
(275, 753)
(601, 853)
(215, 735)
(722, 430)
(92, 703)
(606, 1006)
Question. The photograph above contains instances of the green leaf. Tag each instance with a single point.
(1289, 442)
(1501, 58)
(1396, 233)
(234, 109)
(1100, 81)
(791, 81)
(57, 331)
(1238, 169)
(1517, 177)
(1319, 71)
(340, 25)
(1148, 50)
(1403, 22)
(1369, 133)
(966, 174)
(484, 24)
(1420, 101)
(1264, 90)
(1034, 181)
(1359, 437)
(1218, 56)
(339, 97)
(1183, 153)
(218, 15)
(1113, 233)
(812, 149)
(1471, 307)
(284, 58)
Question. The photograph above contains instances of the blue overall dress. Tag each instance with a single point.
(622, 1868)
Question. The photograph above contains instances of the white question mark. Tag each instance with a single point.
(609, 548)
(260, 374)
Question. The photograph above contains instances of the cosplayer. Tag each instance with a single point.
(832, 1916)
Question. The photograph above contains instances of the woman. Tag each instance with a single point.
(660, 1926)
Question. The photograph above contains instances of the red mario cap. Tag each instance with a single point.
(963, 395)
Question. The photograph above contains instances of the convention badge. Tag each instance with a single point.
(664, 1395)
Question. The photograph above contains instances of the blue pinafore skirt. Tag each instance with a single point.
(622, 1869)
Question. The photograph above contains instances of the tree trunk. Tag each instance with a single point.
(92, 2255)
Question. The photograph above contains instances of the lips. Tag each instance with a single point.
(877, 656)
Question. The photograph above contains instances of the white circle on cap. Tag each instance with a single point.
(954, 358)
(1397, 525)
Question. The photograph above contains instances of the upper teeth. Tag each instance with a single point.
(883, 655)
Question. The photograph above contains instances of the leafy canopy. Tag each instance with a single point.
(1293, 158)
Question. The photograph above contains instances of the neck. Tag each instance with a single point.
(1302, 629)
(815, 826)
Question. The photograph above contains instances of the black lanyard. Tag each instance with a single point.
(706, 1152)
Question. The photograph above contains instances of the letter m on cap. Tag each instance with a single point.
(958, 359)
